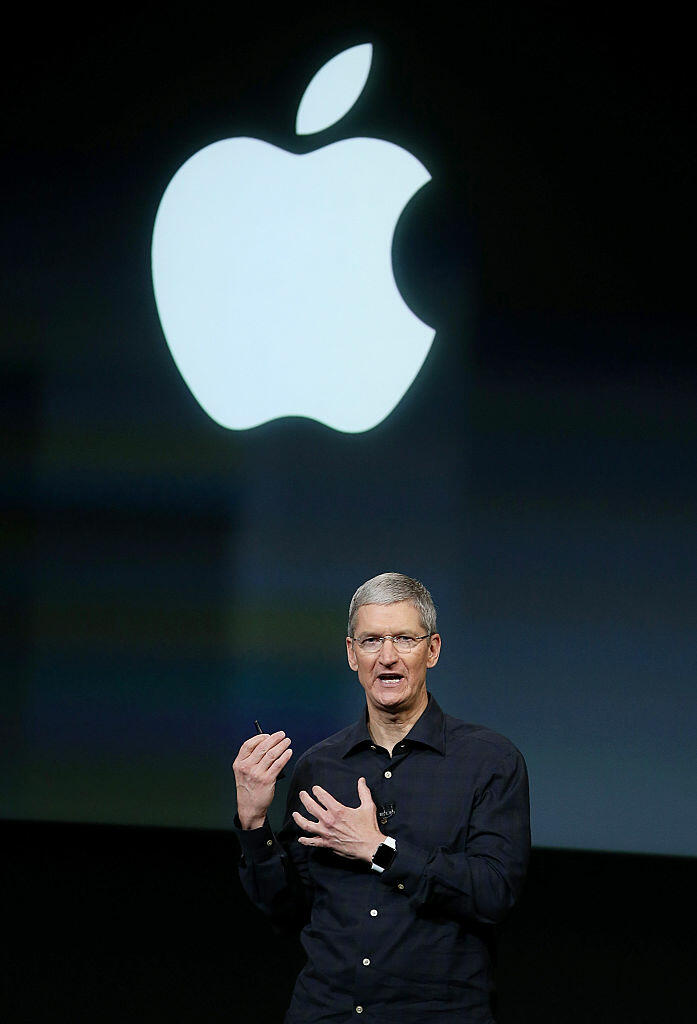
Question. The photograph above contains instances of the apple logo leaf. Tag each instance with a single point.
(334, 89)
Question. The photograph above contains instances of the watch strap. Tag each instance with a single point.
(384, 855)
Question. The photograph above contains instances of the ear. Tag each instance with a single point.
(433, 650)
(351, 654)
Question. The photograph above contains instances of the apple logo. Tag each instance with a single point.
(272, 271)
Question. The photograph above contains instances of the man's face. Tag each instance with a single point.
(393, 681)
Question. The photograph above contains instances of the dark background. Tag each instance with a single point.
(118, 924)
(169, 581)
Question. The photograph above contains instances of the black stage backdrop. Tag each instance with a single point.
(116, 923)
(169, 580)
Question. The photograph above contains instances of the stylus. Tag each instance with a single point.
(281, 774)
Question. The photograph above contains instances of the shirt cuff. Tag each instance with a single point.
(405, 871)
(258, 844)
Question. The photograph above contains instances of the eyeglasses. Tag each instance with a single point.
(403, 644)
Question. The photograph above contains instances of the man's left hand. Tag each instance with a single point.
(349, 831)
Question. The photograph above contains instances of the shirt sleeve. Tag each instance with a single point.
(481, 881)
(273, 869)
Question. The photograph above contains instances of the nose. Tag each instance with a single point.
(388, 652)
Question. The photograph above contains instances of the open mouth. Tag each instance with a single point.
(390, 678)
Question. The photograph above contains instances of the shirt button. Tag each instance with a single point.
(388, 775)
(400, 885)
(372, 746)
(359, 1009)
(373, 913)
(366, 961)
(269, 842)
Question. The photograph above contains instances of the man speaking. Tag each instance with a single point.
(406, 835)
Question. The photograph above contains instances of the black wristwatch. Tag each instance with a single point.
(384, 855)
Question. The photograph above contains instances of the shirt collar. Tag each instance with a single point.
(427, 731)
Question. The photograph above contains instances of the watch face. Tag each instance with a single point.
(384, 855)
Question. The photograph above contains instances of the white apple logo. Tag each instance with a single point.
(273, 275)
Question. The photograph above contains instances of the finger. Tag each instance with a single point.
(247, 749)
(326, 798)
(312, 805)
(364, 794)
(279, 764)
(307, 841)
(275, 751)
(269, 765)
(262, 757)
(304, 824)
(252, 743)
(252, 746)
(266, 744)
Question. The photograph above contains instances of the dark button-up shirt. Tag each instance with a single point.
(412, 944)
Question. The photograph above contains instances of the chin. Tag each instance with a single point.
(389, 698)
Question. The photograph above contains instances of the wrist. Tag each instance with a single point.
(372, 845)
(251, 821)
(385, 854)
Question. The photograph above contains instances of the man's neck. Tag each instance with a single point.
(388, 728)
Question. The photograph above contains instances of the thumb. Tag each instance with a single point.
(364, 794)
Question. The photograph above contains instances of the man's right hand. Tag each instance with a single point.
(257, 766)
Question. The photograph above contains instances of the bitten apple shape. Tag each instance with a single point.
(273, 276)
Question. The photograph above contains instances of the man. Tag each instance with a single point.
(406, 835)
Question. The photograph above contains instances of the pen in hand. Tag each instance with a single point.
(281, 774)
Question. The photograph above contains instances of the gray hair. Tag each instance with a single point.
(389, 588)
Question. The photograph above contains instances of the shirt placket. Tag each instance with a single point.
(383, 787)
(369, 944)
